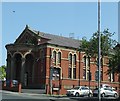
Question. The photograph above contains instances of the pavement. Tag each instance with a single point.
(32, 94)
(23, 93)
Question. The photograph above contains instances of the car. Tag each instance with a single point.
(105, 92)
(79, 91)
(105, 85)
(14, 83)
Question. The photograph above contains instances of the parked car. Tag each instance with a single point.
(80, 91)
(105, 85)
(14, 82)
(105, 91)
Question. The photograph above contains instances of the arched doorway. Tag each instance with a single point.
(17, 67)
(29, 60)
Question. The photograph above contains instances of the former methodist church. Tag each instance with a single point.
(33, 54)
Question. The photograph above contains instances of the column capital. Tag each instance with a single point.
(23, 59)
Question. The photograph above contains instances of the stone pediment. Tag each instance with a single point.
(30, 37)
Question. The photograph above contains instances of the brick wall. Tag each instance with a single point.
(66, 82)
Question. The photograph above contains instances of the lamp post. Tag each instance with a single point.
(99, 52)
(51, 74)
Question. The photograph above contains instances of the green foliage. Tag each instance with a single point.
(114, 61)
(2, 72)
(108, 48)
(84, 45)
(90, 47)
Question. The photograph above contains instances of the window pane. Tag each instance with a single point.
(96, 75)
(88, 61)
(85, 61)
(56, 74)
(59, 57)
(74, 60)
(74, 73)
(69, 73)
(84, 74)
(54, 57)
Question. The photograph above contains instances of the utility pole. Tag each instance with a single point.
(99, 52)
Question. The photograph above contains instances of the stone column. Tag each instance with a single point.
(12, 68)
(33, 69)
(22, 70)
(8, 71)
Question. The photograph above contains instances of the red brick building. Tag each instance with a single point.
(33, 54)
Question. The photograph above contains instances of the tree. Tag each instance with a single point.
(114, 63)
(109, 48)
(2, 72)
(90, 47)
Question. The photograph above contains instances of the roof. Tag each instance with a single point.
(57, 40)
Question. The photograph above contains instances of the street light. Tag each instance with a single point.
(51, 76)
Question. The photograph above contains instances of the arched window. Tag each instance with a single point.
(86, 68)
(59, 57)
(72, 66)
(54, 57)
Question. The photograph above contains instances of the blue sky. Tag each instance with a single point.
(56, 18)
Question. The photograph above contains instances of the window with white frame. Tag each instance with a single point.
(86, 67)
(72, 66)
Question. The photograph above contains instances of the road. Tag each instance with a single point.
(11, 96)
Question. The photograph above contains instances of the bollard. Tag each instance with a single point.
(4, 84)
(46, 89)
(19, 88)
(11, 84)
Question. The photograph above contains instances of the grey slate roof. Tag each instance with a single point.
(58, 40)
